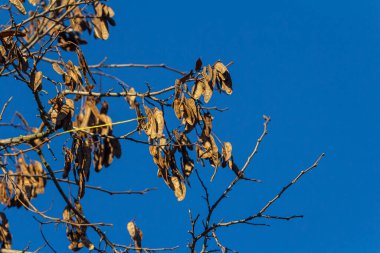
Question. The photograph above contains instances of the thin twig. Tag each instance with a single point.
(4, 107)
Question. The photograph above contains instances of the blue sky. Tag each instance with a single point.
(312, 66)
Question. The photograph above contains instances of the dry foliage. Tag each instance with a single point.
(31, 51)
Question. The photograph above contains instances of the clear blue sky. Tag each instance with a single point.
(313, 66)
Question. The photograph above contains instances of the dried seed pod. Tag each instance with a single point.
(187, 163)
(19, 6)
(150, 126)
(34, 2)
(178, 187)
(198, 65)
(3, 192)
(227, 151)
(178, 108)
(41, 181)
(5, 234)
(223, 77)
(98, 157)
(214, 161)
(58, 68)
(3, 54)
(136, 235)
(68, 160)
(204, 150)
(159, 117)
(198, 89)
(36, 80)
(207, 85)
(207, 124)
(64, 115)
(131, 97)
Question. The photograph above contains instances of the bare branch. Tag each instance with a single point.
(303, 172)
